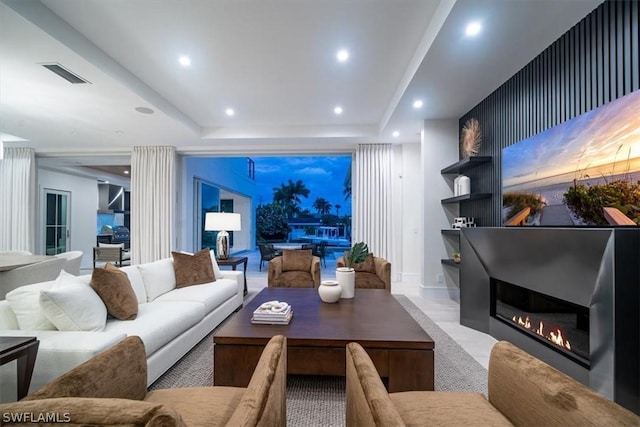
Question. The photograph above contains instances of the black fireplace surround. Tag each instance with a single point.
(584, 280)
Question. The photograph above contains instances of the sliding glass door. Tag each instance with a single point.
(207, 199)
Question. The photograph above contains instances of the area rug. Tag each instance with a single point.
(320, 401)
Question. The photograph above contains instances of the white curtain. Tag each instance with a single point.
(153, 188)
(17, 199)
(371, 198)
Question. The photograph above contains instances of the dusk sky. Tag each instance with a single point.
(593, 141)
(322, 175)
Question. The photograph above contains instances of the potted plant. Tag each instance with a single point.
(456, 256)
(357, 254)
(346, 275)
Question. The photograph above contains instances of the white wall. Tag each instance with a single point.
(439, 149)
(412, 232)
(84, 205)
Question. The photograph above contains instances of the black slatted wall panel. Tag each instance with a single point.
(593, 63)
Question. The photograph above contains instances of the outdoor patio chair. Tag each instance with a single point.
(320, 251)
(267, 253)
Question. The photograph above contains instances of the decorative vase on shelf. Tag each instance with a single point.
(346, 277)
(329, 291)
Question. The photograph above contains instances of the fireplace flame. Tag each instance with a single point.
(553, 336)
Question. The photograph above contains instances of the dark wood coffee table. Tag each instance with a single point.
(318, 334)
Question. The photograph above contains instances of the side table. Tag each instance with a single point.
(25, 349)
(233, 262)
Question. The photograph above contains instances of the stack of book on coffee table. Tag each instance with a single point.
(272, 313)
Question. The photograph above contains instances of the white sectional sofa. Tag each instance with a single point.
(170, 321)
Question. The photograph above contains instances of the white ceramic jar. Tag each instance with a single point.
(329, 291)
(347, 278)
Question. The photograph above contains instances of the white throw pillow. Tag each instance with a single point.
(137, 282)
(159, 277)
(216, 269)
(71, 305)
(25, 304)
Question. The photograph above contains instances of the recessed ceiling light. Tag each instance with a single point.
(185, 61)
(338, 110)
(126, 172)
(418, 103)
(229, 112)
(342, 55)
(395, 134)
(144, 110)
(473, 29)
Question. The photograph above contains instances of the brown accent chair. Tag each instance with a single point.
(373, 273)
(523, 391)
(111, 389)
(296, 268)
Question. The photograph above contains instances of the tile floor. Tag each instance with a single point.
(443, 311)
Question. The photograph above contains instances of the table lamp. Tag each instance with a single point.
(222, 222)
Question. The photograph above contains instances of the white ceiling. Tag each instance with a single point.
(273, 61)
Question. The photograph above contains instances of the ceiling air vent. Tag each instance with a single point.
(64, 73)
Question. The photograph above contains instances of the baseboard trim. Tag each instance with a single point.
(440, 292)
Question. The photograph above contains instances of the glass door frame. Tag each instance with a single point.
(58, 225)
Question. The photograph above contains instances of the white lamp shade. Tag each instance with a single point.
(219, 221)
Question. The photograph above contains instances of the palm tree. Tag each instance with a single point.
(288, 196)
(347, 184)
(346, 223)
(337, 206)
(322, 205)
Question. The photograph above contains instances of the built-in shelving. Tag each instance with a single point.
(450, 262)
(471, 196)
(464, 164)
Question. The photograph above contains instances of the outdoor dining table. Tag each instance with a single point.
(282, 246)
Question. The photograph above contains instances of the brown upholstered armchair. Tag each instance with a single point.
(111, 389)
(294, 269)
(552, 398)
(373, 273)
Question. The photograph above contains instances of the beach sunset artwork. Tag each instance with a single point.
(593, 158)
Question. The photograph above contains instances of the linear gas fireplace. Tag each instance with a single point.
(560, 325)
(568, 296)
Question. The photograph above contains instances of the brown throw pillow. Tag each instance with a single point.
(367, 265)
(193, 269)
(115, 290)
(296, 260)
